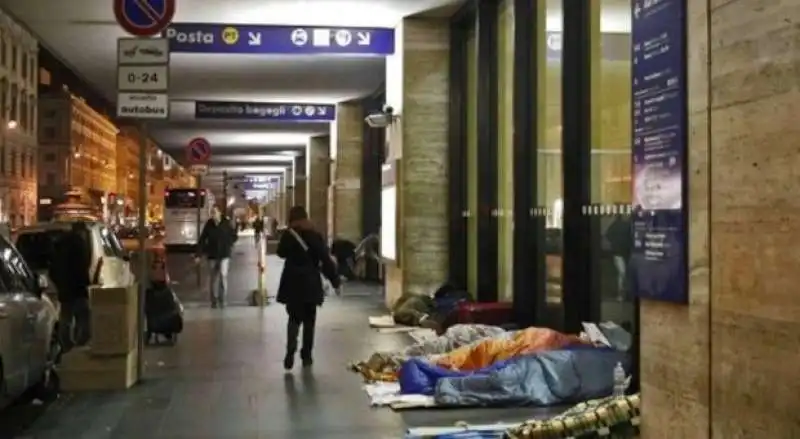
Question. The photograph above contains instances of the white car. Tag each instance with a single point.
(110, 265)
(29, 345)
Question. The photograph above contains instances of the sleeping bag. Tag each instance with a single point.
(545, 378)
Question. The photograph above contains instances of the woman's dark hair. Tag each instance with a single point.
(297, 213)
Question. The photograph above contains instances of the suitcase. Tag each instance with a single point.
(163, 313)
(494, 313)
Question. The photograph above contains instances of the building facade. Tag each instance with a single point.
(77, 150)
(18, 131)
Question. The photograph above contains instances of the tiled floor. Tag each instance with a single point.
(224, 379)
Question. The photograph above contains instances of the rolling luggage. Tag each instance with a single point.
(495, 313)
(163, 312)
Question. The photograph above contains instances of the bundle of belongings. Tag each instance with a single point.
(413, 309)
(478, 365)
(605, 418)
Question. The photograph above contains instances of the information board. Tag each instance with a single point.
(658, 265)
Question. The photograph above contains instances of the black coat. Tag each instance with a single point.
(300, 280)
(217, 239)
(69, 269)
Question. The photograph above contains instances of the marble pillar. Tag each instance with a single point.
(725, 367)
(290, 188)
(347, 142)
(300, 181)
(417, 82)
(317, 180)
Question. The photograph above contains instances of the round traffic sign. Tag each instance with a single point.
(144, 18)
(198, 151)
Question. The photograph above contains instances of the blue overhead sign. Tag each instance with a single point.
(277, 111)
(265, 40)
(659, 258)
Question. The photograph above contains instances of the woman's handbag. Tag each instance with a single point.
(327, 287)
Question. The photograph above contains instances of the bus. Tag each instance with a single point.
(181, 229)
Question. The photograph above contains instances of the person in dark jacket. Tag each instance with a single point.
(69, 271)
(216, 243)
(306, 257)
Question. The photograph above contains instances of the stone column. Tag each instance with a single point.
(317, 180)
(290, 188)
(280, 200)
(347, 141)
(725, 366)
(417, 82)
(300, 181)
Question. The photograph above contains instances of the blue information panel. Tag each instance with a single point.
(277, 111)
(659, 257)
(298, 40)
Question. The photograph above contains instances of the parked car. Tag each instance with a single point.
(29, 345)
(110, 264)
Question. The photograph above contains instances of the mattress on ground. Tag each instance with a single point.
(546, 378)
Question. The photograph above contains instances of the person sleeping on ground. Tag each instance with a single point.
(383, 366)
(480, 353)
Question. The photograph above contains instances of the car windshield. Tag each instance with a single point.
(37, 247)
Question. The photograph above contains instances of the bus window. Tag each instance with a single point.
(177, 198)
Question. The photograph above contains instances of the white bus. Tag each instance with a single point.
(180, 216)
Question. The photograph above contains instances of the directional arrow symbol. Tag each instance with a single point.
(254, 38)
(363, 38)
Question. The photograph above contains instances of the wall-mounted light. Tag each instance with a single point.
(12, 124)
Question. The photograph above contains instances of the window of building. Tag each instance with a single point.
(3, 97)
(549, 187)
(50, 179)
(14, 104)
(23, 162)
(33, 69)
(2, 160)
(32, 165)
(13, 163)
(24, 65)
(49, 157)
(505, 147)
(472, 160)
(49, 114)
(14, 57)
(23, 113)
(32, 119)
(3, 53)
(611, 150)
(49, 133)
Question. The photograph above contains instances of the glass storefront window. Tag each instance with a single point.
(505, 146)
(549, 144)
(472, 161)
(611, 155)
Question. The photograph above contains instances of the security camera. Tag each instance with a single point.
(381, 119)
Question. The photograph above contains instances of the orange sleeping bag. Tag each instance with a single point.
(489, 351)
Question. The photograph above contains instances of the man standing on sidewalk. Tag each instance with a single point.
(216, 243)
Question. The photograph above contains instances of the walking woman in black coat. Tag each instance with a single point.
(306, 258)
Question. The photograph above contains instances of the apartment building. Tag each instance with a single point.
(77, 151)
(18, 123)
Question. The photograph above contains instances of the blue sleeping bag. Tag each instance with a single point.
(419, 377)
(542, 379)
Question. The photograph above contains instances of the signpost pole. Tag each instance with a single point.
(199, 229)
(142, 256)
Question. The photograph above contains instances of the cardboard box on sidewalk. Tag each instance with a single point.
(114, 313)
(81, 370)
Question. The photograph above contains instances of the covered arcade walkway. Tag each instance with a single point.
(224, 379)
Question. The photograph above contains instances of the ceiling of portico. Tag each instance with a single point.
(83, 34)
